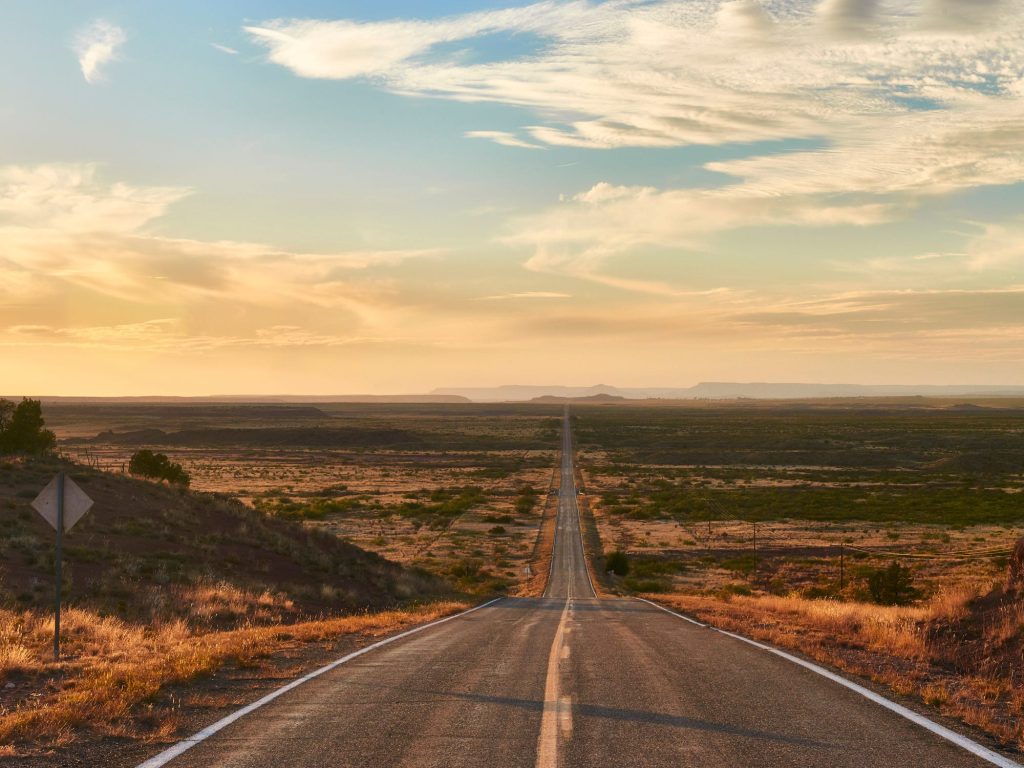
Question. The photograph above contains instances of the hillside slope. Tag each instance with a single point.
(148, 552)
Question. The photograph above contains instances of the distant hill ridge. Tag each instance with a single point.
(720, 390)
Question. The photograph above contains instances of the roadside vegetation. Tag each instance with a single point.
(961, 651)
(453, 490)
(275, 548)
(113, 672)
(156, 466)
(22, 428)
(876, 540)
(162, 585)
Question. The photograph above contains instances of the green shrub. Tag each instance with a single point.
(22, 428)
(446, 504)
(645, 585)
(818, 592)
(617, 562)
(315, 509)
(527, 501)
(733, 589)
(892, 586)
(744, 564)
(157, 466)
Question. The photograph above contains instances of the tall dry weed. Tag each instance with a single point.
(111, 666)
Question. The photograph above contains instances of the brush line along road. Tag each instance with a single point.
(571, 680)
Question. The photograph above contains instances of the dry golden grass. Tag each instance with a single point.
(895, 646)
(111, 667)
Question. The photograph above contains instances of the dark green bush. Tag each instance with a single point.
(527, 501)
(157, 466)
(645, 585)
(617, 562)
(22, 429)
(892, 586)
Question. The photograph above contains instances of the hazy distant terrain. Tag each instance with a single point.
(729, 390)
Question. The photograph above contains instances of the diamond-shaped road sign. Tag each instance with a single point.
(76, 503)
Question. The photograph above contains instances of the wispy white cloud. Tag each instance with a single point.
(848, 18)
(578, 236)
(959, 15)
(70, 198)
(345, 49)
(504, 138)
(666, 73)
(224, 49)
(745, 20)
(947, 321)
(526, 295)
(96, 46)
(998, 246)
(173, 336)
(905, 101)
(70, 236)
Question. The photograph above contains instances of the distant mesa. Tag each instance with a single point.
(721, 390)
(304, 406)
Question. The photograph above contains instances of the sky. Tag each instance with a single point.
(345, 197)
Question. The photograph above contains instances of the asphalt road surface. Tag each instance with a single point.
(571, 680)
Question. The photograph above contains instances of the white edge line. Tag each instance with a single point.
(185, 744)
(939, 730)
(583, 547)
(558, 508)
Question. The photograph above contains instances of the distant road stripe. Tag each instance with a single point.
(575, 501)
(186, 744)
(939, 730)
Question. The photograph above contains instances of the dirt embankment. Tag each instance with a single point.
(151, 552)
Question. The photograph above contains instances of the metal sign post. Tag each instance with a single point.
(59, 559)
(62, 504)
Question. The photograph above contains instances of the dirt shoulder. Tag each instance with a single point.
(124, 711)
(925, 654)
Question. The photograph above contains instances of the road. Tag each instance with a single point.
(571, 680)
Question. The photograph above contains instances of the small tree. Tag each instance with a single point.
(22, 428)
(892, 586)
(617, 562)
(6, 411)
(158, 467)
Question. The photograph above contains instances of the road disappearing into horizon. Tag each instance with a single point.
(570, 679)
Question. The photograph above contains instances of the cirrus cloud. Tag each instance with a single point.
(97, 45)
(903, 101)
(73, 241)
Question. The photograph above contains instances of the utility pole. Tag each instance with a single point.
(842, 568)
(755, 546)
